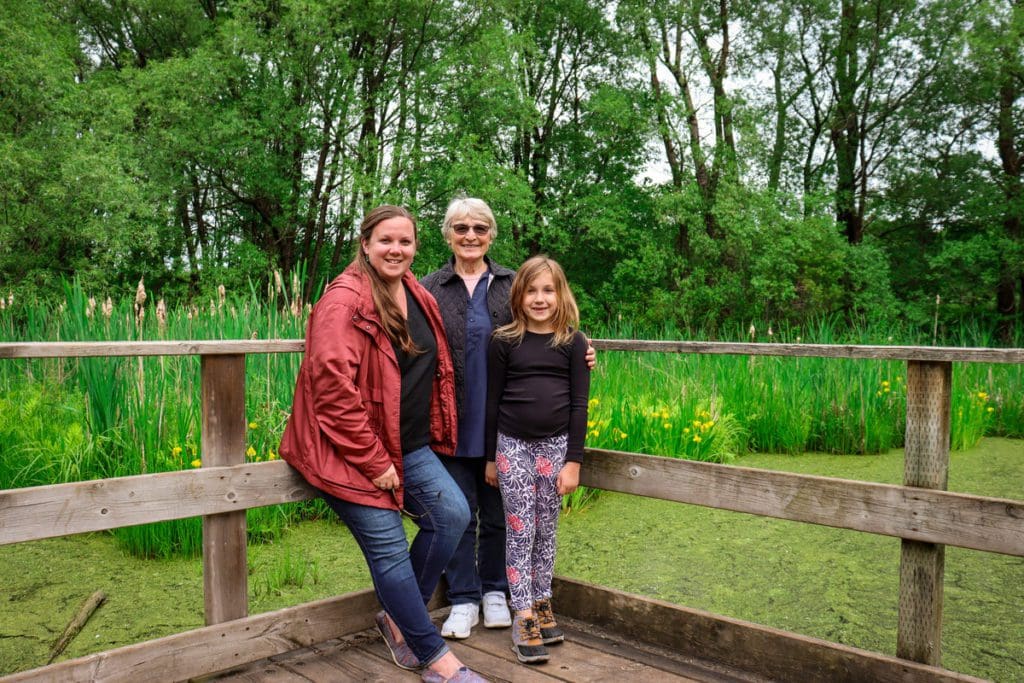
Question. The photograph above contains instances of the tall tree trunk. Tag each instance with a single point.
(845, 130)
(1011, 312)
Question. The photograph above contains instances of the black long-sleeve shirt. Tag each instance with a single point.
(535, 391)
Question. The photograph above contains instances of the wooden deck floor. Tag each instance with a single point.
(589, 654)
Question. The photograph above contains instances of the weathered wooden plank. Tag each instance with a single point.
(981, 523)
(926, 464)
(218, 647)
(867, 352)
(149, 348)
(632, 646)
(284, 667)
(574, 660)
(499, 663)
(225, 567)
(346, 663)
(266, 672)
(62, 509)
(774, 654)
(991, 524)
(247, 346)
(353, 663)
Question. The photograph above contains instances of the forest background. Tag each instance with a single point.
(694, 165)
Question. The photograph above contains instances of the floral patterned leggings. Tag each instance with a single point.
(527, 474)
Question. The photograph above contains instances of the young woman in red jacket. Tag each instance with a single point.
(374, 401)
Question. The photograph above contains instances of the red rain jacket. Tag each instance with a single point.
(344, 428)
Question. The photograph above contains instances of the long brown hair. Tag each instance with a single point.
(567, 317)
(395, 326)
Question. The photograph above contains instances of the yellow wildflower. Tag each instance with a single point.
(982, 395)
(176, 451)
(250, 451)
(686, 430)
(664, 414)
(885, 382)
(271, 455)
(697, 423)
(667, 425)
(253, 425)
(197, 463)
(886, 390)
(878, 393)
(707, 425)
(989, 409)
(696, 438)
(594, 401)
(591, 424)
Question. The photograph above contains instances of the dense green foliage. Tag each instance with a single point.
(691, 163)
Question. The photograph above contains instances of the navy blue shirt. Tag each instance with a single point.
(474, 407)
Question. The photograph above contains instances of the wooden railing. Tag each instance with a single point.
(921, 512)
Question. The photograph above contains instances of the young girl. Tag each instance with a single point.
(536, 420)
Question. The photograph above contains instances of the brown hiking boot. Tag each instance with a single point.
(526, 642)
(549, 631)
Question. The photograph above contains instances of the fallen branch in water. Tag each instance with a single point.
(72, 629)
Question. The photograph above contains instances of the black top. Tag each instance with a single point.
(535, 391)
(417, 379)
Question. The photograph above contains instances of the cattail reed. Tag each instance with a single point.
(161, 314)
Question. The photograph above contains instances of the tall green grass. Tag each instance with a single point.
(715, 407)
(90, 418)
(79, 419)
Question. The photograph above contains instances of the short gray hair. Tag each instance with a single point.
(471, 207)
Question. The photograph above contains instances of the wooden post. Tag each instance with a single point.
(926, 465)
(225, 569)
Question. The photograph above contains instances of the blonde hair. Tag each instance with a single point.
(468, 207)
(395, 326)
(567, 316)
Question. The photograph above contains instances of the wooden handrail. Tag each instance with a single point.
(957, 519)
(245, 346)
(213, 347)
(852, 351)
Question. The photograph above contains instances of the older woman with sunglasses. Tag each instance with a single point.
(472, 292)
(374, 403)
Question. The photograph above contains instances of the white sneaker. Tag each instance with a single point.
(460, 620)
(496, 614)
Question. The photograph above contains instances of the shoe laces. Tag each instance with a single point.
(529, 629)
(542, 608)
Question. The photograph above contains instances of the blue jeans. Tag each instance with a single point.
(478, 565)
(405, 577)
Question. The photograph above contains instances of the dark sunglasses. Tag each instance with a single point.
(479, 229)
